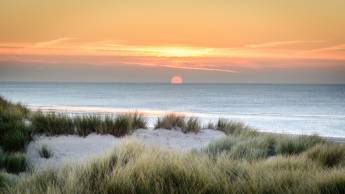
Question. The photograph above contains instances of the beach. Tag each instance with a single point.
(44, 150)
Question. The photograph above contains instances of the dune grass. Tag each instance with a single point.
(180, 122)
(134, 168)
(14, 134)
(230, 127)
(6, 180)
(58, 123)
(328, 155)
(13, 163)
(45, 152)
(18, 125)
(261, 146)
(52, 123)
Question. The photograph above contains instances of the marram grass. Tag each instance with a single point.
(180, 122)
(134, 168)
(58, 123)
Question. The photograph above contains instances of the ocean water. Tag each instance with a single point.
(297, 109)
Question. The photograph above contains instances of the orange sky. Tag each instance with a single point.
(221, 37)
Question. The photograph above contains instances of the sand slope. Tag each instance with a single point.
(75, 149)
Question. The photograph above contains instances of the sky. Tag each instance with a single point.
(200, 41)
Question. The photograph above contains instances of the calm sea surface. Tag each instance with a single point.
(302, 109)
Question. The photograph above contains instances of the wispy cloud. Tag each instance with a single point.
(340, 47)
(69, 50)
(284, 43)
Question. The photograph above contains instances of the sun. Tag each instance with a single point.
(176, 80)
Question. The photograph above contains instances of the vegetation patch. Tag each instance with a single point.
(232, 127)
(328, 155)
(52, 123)
(135, 168)
(45, 152)
(13, 163)
(14, 134)
(262, 146)
(57, 123)
(174, 121)
(295, 145)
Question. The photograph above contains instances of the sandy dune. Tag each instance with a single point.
(73, 149)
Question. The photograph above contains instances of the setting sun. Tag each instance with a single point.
(176, 80)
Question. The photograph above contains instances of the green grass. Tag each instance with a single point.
(134, 168)
(192, 125)
(296, 145)
(260, 146)
(242, 147)
(180, 122)
(328, 155)
(171, 121)
(52, 123)
(58, 123)
(232, 127)
(13, 163)
(87, 124)
(45, 152)
(15, 139)
(6, 180)
(14, 134)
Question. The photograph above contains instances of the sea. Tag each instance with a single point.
(278, 108)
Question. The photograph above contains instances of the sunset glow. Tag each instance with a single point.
(221, 37)
(176, 80)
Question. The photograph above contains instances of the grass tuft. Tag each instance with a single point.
(45, 152)
(173, 121)
(14, 134)
(13, 163)
(87, 124)
(296, 145)
(232, 127)
(261, 146)
(329, 155)
(52, 123)
(192, 125)
(56, 124)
